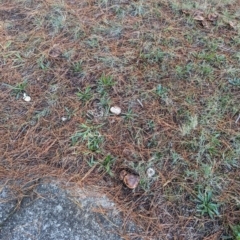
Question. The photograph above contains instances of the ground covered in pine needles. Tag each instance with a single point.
(173, 69)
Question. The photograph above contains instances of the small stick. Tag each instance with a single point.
(237, 118)
(140, 103)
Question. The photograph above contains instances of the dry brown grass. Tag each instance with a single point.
(140, 44)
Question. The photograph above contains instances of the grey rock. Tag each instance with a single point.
(53, 213)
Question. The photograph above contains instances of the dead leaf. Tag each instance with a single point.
(198, 15)
(198, 12)
(232, 24)
(199, 18)
(212, 17)
(205, 24)
(187, 12)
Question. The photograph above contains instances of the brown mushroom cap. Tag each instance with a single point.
(131, 181)
(123, 173)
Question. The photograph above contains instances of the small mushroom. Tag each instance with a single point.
(150, 172)
(130, 180)
(64, 118)
(116, 110)
(26, 98)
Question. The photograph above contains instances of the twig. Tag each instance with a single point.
(237, 119)
(140, 103)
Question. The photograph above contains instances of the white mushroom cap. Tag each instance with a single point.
(116, 110)
(150, 172)
(26, 98)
